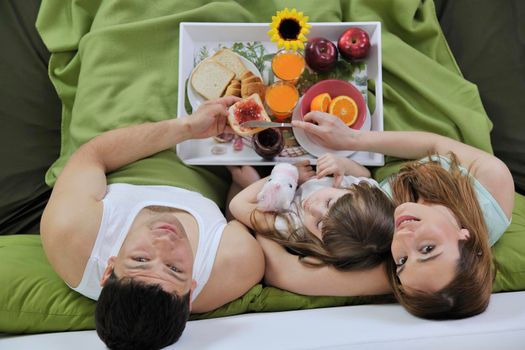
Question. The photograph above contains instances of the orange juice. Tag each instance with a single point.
(281, 98)
(288, 65)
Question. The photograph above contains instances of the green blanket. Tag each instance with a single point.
(114, 63)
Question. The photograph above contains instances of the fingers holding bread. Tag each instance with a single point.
(227, 101)
(250, 108)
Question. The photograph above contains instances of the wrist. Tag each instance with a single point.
(358, 141)
(181, 129)
(347, 166)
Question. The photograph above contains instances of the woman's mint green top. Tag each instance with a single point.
(495, 219)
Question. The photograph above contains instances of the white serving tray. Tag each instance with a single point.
(194, 36)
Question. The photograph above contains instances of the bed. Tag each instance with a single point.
(45, 117)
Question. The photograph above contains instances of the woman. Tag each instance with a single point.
(337, 227)
(446, 218)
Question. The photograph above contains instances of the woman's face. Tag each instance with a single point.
(317, 205)
(425, 246)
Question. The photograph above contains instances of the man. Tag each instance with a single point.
(150, 254)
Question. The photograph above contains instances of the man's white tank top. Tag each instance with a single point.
(121, 205)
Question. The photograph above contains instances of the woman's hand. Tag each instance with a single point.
(210, 118)
(328, 131)
(306, 172)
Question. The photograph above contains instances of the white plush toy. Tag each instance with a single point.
(278, 192)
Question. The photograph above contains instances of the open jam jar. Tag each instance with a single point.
(268, 143)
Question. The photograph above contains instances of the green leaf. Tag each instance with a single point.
(252, 51)
(187, 104)
(202, 55)
(268, 57)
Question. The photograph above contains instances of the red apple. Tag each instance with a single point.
(354, 43)
(320, 54)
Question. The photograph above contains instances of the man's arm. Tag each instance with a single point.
(239, 265)
(72, 217)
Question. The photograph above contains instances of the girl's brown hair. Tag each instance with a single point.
(469, 292)
(357, 231)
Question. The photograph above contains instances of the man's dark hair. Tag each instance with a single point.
(135, 315)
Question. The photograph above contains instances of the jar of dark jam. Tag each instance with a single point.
(268, 143)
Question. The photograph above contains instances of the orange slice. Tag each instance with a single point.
(345, 108)
(320, 102)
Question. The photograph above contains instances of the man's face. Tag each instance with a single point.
(156, 251)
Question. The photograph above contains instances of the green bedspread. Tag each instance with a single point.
(114, 63)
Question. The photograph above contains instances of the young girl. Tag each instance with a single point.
(446, 217)
(336, 226)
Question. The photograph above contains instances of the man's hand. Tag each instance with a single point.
(210, 118)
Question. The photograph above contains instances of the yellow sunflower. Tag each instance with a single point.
(289, 28)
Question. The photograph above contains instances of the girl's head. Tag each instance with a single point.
(441, 264)
(347, 228)
(315, 208)
(357, 230)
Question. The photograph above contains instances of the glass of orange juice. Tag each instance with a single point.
(281, 97)
(288, 65)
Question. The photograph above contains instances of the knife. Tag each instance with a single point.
(264, 124)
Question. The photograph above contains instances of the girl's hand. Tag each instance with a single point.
(330, 164)
(306, 171)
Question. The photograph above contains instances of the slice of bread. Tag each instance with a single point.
(230, 60)
(210, 79)
(253, 110)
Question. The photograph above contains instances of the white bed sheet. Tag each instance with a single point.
(502, 326)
